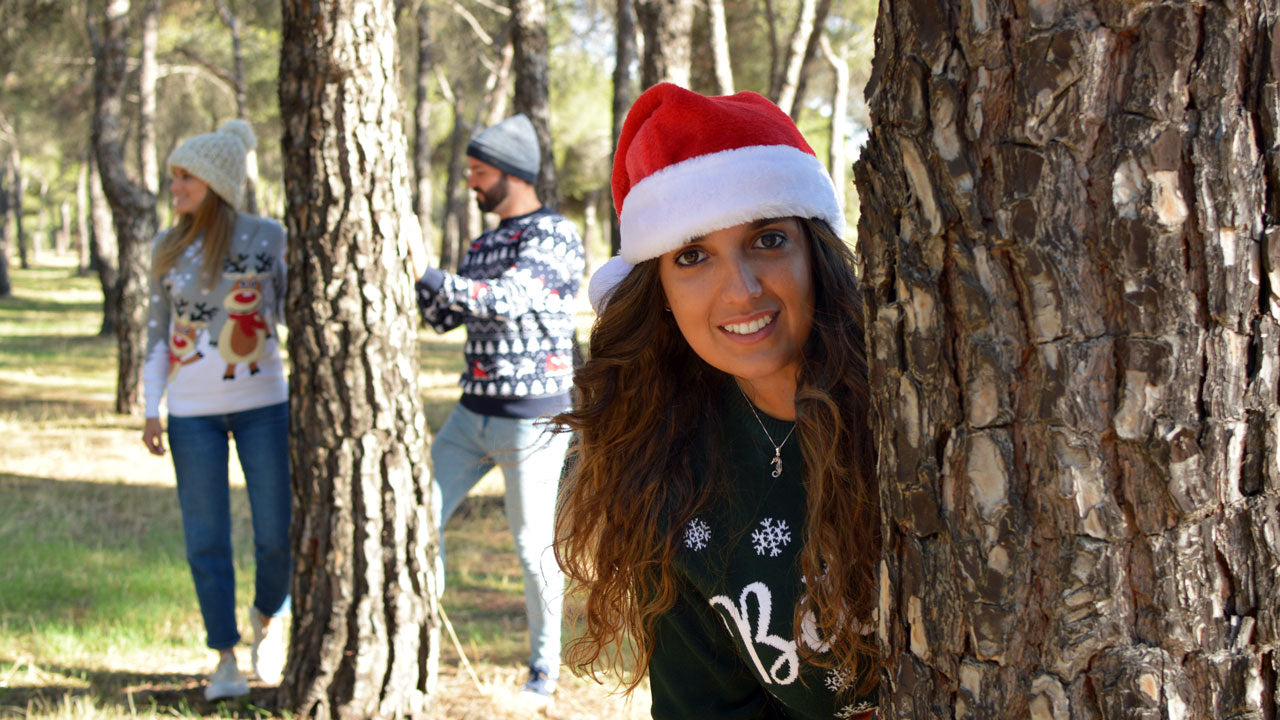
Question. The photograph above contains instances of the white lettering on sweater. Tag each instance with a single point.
(786, 668)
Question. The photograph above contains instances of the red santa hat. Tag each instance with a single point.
(688, 164)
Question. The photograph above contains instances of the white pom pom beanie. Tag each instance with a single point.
(688, 164)
(218, 158)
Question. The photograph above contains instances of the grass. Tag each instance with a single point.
(98, 617)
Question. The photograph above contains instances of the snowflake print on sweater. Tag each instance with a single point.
(516, 292)
(772, 536)
(696, 534)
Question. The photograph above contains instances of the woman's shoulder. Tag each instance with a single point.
(263, 227)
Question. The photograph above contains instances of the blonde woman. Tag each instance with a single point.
(217, 290)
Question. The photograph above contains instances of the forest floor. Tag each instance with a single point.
(98, 619)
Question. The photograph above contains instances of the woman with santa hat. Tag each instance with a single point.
(720, 513)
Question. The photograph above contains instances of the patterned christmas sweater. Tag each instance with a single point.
(218, 351)
(728, 648)
(515, 291)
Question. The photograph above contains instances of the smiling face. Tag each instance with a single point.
(188, 190)
(743, 299)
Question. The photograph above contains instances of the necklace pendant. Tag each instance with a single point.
(777, 465)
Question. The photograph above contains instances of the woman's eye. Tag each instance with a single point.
(771, 240)
(688, 256)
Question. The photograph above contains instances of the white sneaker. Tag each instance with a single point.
(226, 682)
(268, 647)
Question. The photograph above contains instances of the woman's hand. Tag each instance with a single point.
(151, 436)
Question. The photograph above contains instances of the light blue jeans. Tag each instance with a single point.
(467, 447)
(200, 453)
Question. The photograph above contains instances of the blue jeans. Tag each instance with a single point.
(466, 448)
(200, 451)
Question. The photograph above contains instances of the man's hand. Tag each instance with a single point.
(411, 233)
(151, 436)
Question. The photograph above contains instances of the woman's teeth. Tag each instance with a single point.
(747, 328)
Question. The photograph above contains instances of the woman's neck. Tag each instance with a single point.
(775, 397)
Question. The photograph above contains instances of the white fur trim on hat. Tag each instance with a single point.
(719, 190)
(604, 280)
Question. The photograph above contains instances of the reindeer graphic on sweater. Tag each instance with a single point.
(244, 335)
(187, 323)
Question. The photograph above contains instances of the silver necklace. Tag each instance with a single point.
(776, 462)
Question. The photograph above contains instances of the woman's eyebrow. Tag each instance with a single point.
(755, 225)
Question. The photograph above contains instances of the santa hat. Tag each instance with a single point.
(688, 164)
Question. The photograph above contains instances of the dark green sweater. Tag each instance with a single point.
(738, 573)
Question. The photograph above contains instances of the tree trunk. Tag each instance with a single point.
(242, 106)
(62, 237)
(720, 47)
(839, 114)
(16, 191)
(365, 633)
(6, 288)
(811, 52)
(624, 93)
(786, 83)
(83, 261)
(103, 250)
(667, 26)
(132, 207)
(1071, 256)
(454, 239)
(533, 82)
(148, 165)
(422, 127)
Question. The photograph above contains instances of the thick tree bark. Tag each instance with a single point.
(533, 82)
(1071, 259)
(720, 47)
(148, 165)
(132, 207)
(103, 250)
(668, 54)
(624, 93)
(365, 632)
(422, 125)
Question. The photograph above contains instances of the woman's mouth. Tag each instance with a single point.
(751, 326)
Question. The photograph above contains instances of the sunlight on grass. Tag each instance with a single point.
(98, 617)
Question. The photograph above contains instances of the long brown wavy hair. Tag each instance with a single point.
(216, 219)
(630, 487)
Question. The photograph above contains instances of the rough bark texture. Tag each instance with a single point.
(623, 95)
(668, 54)
(103, 249)
(533, 82)
(1074, 330)
(365, 632)
(133, 209)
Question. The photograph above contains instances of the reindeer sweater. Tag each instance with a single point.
(218, 351)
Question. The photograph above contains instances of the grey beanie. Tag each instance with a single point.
(511, 146)
(218, 158)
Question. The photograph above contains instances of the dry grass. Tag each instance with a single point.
(97, 616)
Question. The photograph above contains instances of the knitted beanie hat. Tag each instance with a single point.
(688, 164)
(218, 158)
(511, 146)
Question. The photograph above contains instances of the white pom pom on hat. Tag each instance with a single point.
(688, 164)
(218, 158)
